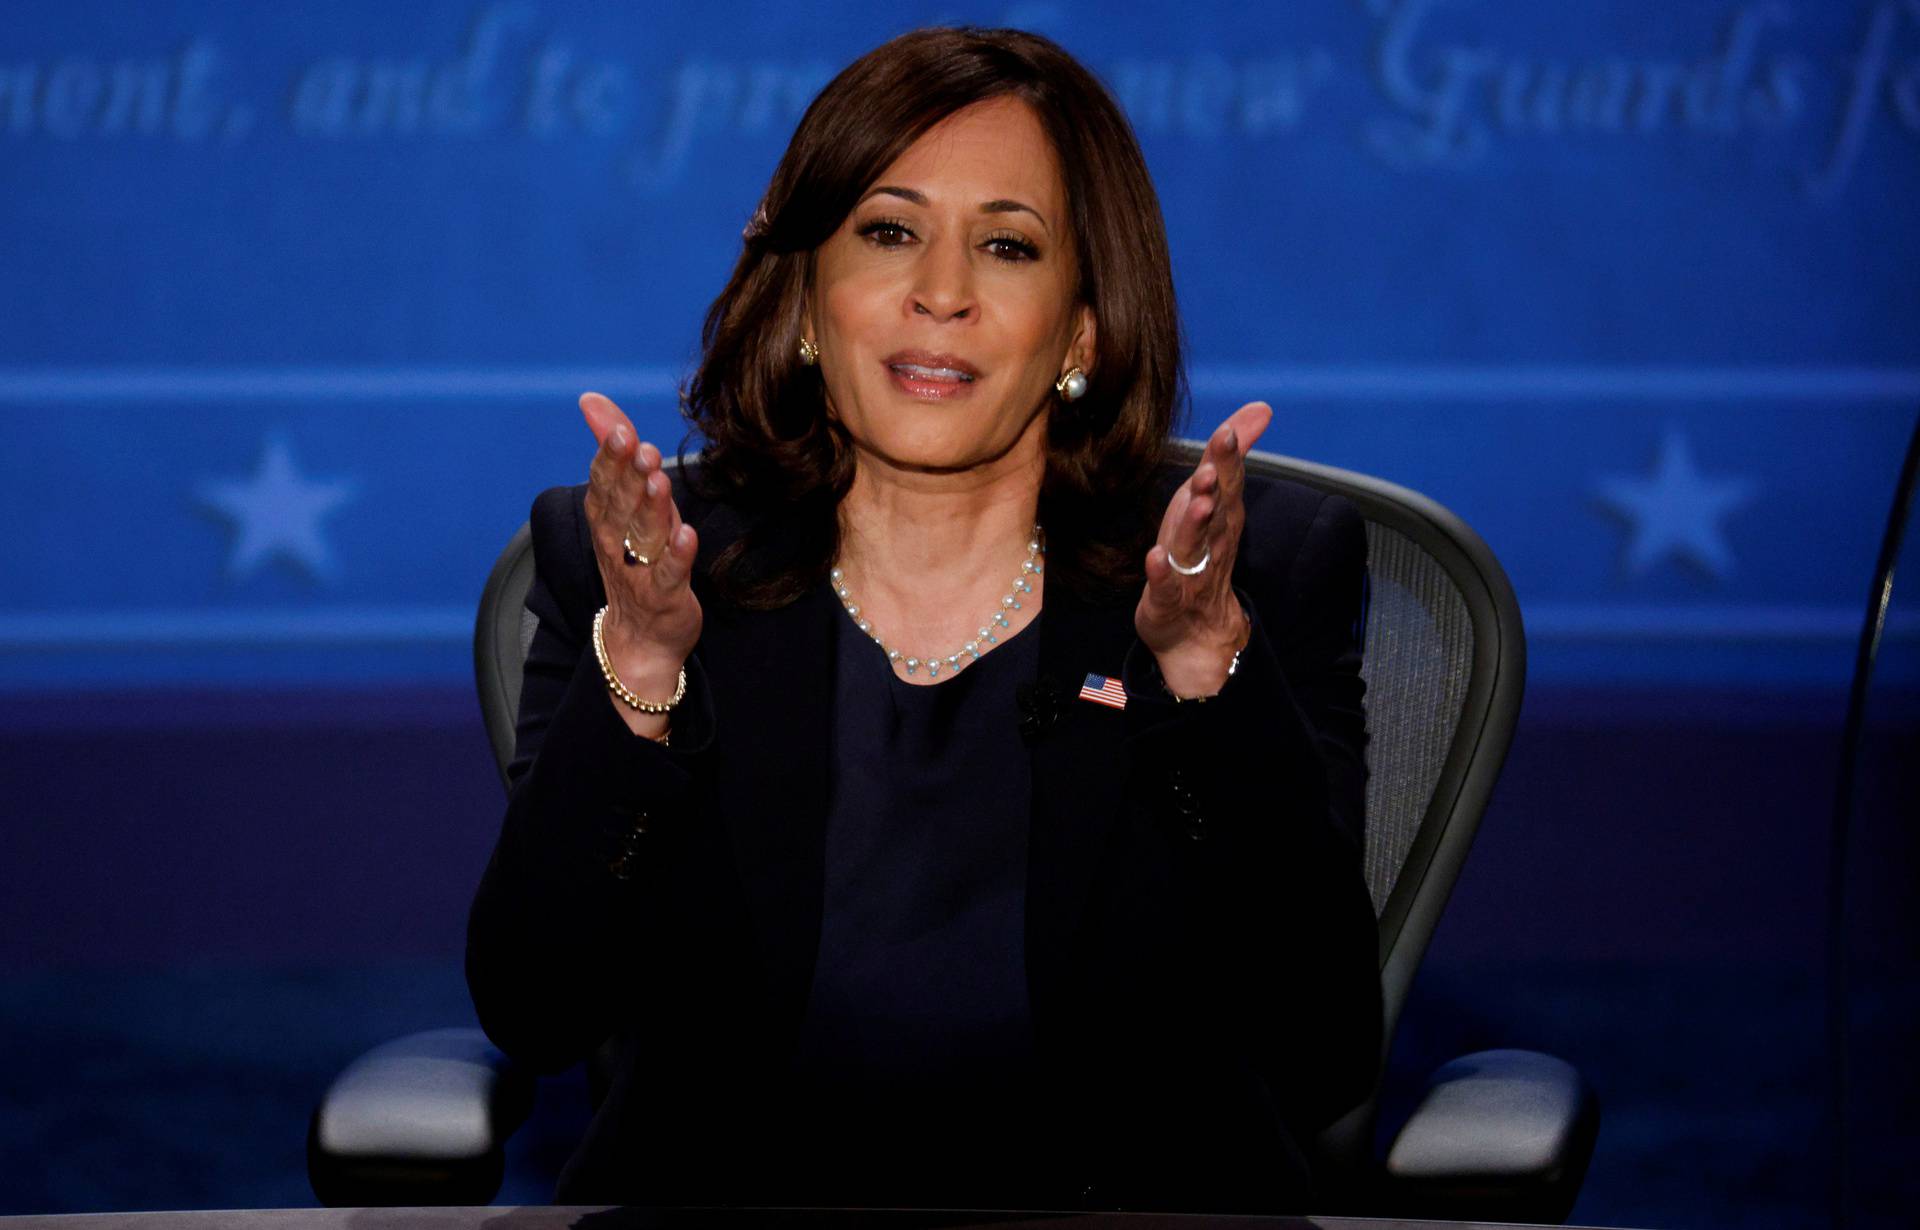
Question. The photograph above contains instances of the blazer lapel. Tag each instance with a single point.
(771, 674)
(1077, 786)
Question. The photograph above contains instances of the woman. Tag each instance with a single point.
(827, 830)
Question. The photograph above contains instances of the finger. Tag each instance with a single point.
(604, 473)
(615, 435)
(621, 514)
(652, 518)
(1189, 542)
(619, 470)
(1249, 423)
(1239, 433)
(675, 564)
(616, 448)
(1165, 595)
(647, 518)
(602, 415)
(673, 507)
(1216, 458)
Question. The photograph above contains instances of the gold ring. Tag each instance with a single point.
(634, 557)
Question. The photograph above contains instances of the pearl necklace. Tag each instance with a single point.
(989, 635)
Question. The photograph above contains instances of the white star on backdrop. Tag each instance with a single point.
(1677, 510)
(277, 513)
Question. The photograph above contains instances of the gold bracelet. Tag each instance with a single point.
(621, 690)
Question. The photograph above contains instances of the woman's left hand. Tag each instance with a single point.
(1194, 624)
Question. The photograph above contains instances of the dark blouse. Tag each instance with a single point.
(917, 1042)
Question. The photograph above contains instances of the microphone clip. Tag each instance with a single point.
(1042, 703)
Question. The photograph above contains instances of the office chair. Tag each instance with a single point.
(1500, 1135)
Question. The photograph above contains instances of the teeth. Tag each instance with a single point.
(917, 372)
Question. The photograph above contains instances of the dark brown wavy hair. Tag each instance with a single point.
(770, 445)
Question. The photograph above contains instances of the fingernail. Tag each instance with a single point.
(617, 438)
(1233, 439)
(683, 537)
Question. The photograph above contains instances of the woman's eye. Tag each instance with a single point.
(1011, 248)
(886, 233)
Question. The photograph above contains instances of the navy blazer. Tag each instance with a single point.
(1201, 948)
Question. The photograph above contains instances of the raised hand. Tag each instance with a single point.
(652, 618)
(1193, 623)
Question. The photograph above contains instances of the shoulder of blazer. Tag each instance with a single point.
(1294, 532)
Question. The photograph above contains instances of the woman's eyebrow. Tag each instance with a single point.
(905, 194)
(1004, 206)
(1001, 206)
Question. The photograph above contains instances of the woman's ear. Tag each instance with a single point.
(1083, 348)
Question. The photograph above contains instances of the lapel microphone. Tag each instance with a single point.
(1042, 703)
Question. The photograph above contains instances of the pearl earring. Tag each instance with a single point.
(1071, 386)
(809, 353)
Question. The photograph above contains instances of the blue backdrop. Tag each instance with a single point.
(297, 300)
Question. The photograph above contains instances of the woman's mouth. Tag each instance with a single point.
(932, 377)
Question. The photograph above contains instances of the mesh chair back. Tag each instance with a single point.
(1419, 654)
(1445, 663)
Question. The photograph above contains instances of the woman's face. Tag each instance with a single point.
(944, 306)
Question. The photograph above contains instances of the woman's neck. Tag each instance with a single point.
(928, 555)
(930, 526)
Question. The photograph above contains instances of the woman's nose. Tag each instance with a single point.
(944, 287)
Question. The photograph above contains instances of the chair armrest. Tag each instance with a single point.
(420, 1120)
(1499, 1136)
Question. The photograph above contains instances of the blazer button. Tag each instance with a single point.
(622, 867)
(641, 824)
(1196, 827)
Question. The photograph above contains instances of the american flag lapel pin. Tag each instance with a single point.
(1104, 690)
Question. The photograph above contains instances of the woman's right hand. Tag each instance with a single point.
(653, 619)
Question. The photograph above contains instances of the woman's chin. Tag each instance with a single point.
(937, 442)
(932, 459)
